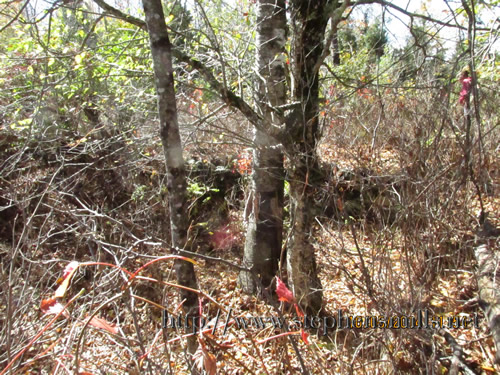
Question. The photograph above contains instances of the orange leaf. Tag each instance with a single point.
(103, 324)
(299, 311)
(66, 278)
(284, 294)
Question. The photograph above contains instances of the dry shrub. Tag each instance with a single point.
(421, 257)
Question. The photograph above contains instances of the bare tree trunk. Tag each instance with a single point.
(301, 260)
(335, 45)
(171, 140)
(488, 277)
(309, 21)
(264, 232)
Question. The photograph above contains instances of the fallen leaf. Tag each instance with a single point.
(204, 359)
(51, 306)
(103, 324)
(66, 278)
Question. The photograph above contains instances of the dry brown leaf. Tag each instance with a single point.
(103, 324)
(204, 359)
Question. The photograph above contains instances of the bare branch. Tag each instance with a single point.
(336, 17)
(121, 15)
(13, 19)
(414, 15)
(225, 94)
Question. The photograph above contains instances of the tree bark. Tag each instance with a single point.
(309, 21)
(172, 147)
(265, 223)
(488, 278)
(335, 45)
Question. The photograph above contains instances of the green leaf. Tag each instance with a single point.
(169, 19)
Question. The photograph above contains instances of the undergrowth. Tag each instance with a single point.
(396, 215)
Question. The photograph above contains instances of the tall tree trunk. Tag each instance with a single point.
(265, 223)
(172, 147)
(335, 44)
(309, 21)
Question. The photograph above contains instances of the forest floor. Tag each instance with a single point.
(84, 207)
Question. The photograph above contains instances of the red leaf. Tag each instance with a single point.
(284, 294)
(466, 87)
(69, 269)
(66, 278)
(304, 336)
(103, 324)
(51, 306)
